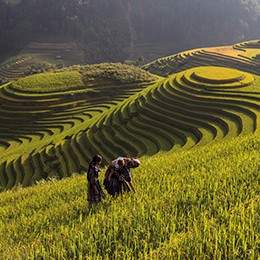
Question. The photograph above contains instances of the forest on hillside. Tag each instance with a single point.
(106, 29)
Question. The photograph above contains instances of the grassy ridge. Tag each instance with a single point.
(201, 204)
(79, 76)
(49, 82)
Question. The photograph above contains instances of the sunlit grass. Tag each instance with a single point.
(202, 203)
(50, 81)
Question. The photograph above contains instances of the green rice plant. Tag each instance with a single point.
(202, 203)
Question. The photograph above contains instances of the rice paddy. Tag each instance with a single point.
(196, 204)
(107, 109)
(200, 200)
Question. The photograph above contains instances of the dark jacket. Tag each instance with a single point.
(119, 181)
(95, 192)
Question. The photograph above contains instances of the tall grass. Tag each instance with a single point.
(198, 204)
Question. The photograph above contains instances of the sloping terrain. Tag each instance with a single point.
(44, 113)
(198, 204)
(39, 57)
(240, 56)
(53, 123)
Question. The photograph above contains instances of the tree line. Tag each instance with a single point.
(105, 28)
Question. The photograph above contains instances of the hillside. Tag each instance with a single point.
(53, 123)
(44, 112)
(244, 56)
(193, 120)
(38, 57)
(197, 204)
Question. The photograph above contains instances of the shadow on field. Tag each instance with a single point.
(96, 208)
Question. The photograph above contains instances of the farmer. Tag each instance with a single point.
(118, 176)
(95, 193)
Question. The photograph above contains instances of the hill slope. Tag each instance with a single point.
(44, 112)
(202, 203)
(53, 123)
(39, 57)
(242, 56)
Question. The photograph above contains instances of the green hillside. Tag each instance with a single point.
(197, 204)
(44, 113)
(53, 123)
(200, 200)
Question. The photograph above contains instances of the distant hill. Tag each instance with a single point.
(115, 30)
(38, 57)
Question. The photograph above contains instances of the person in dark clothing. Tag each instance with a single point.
(118, 176)
(95, 192)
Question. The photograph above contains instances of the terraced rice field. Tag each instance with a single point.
(239, 56)
(68, 53)
(189, 108)
(248, 45)
(43, 114)
(53, 123)
(42, 56)
(14, 69)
